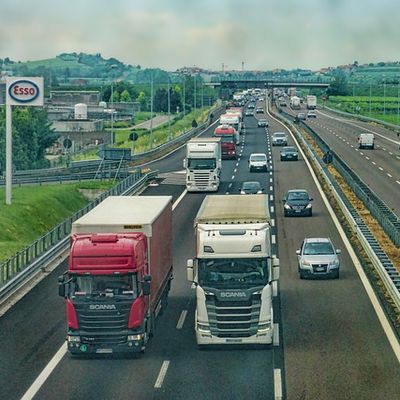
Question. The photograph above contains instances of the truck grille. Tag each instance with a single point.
(201, 178)
(103, 327)
(233, 319)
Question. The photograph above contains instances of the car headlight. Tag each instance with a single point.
(287, 207)
(305, 264)
(309, 205)
(242, 192)
(334, 263)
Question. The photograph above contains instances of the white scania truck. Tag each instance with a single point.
(233, 271)
(203, 164)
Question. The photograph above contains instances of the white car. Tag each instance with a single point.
(311, 114)
(279, 139)
(258, 162)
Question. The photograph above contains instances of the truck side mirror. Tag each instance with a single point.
(298, 252)
(184, 163)
(338, 251)
(61, 286)
(190, 271)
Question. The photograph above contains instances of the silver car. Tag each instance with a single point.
(279, 139)
(318, 257)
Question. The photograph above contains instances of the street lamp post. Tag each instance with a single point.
(384, 96)
(184, 96)
(169, 110)
(151, 113)
(370, 95)
(195, 94)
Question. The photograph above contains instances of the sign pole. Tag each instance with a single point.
(8, 154)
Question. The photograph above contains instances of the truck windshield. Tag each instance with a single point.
(227, 139)
(104, 285)
(233, 272)
(202, 163)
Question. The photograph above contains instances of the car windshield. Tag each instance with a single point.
(279, 135)
(289, 149)
(202, 163)
(251, 186)
(297, 196)
(258, 158)
(233, 272)
(104, 285)
(318, 248)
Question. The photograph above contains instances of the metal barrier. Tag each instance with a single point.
(381, 262)
(26, 262)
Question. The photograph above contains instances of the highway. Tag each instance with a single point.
(331, 344)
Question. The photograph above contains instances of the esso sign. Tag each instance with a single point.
(25, 91)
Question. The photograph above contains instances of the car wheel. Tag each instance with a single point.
(336, 275)
(285, 213)
(301, 273)
(281, 158)
(310, 213)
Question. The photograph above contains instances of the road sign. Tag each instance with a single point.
(67, 143)
(22, 91)
(133, 136)
(115, 154)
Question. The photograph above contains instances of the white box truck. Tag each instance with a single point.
(203, 164)
(234, 121)
(311, 102)
(233, 271)
(295, 102)
(366, 141)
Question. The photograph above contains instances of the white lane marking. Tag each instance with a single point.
(272, 222)
(271, 197)
(179, 199)
(378, 145)
(48, 369)
(237, 164)
(366, 157)
(273, 239)
(361, 153)
(274, 288)
(380, 168)
(233, 177)
(230, 185)
(271, 188)
(226, 192)
(373, 162)
(270, 172)
(383, 149)
(193, 286)
(161, 375)
(181, 319)
(398, 182)
(275, 339)
(351, 146)
(235, 170)
(271, 180)
(272, 209)
(356, 149)
(277, 384)
(390, 176)
(390, 153)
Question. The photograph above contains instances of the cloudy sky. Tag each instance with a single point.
(264, 34)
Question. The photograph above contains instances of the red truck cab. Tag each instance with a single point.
(228, 141)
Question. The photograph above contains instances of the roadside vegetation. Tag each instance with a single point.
(35, 210)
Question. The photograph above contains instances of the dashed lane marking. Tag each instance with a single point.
(181, 319)
(277, 384)
(161, 375)
(275, 339)
(390, 176)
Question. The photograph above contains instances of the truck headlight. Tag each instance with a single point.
(132, 338)
(264, 326)
(73, 339)
(203, 327)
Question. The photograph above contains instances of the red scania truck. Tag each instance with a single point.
(228, 141)
(119, 274)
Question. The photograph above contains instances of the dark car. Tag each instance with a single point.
(297, 202)
(251, 188)
(289, 153)
(300, 117)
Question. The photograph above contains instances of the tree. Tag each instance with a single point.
(160, 101)
(125, 97)
(339, 85)
(115, 97)
(32, 135)
(142, 99)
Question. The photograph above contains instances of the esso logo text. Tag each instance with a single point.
(23, 91)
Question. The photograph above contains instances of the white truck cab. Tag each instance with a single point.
(366, 141)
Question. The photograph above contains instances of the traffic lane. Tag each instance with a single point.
(30, 333)
(384, 183)
(334, 345)
(124, 378)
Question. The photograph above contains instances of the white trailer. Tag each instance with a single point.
(203, 164)
(233, 271)
(311, 102)
(295, 102)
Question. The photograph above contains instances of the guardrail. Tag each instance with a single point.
(18, 269)
(379, 259)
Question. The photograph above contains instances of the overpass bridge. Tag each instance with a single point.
(265, 83)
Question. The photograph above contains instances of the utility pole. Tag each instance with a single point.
(184, 95)
(242, 66)
(151, 113)
(169, 110)
(195, 94)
